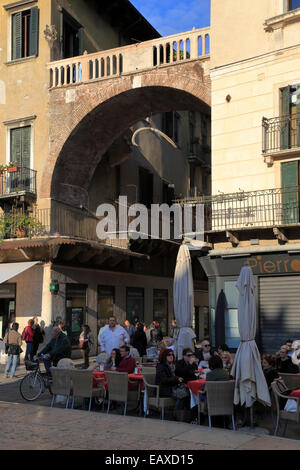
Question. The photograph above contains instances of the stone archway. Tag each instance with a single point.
(85, 119)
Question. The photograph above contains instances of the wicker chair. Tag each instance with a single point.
(152, 396)
(117, 384)
(282, 414)
(292, 381)
(61, 384)
(82, 383)
(219, 396)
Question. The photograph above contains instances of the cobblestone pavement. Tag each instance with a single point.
(37, 426)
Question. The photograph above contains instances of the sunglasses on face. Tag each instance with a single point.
(189, 355)
(170, 354)
(206, 345)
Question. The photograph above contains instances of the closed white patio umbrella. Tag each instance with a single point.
(250, 382)
(183, 299)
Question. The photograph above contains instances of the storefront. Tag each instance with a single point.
(277, 278)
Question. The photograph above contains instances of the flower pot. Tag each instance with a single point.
(12, 169)
(20, 233)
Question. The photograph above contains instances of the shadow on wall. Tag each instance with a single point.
(275, 329)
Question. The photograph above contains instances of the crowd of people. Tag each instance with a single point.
(122, 346)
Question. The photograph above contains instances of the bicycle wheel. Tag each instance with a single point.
(31, 386)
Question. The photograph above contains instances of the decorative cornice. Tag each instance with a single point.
(281, 21)
(18, 120)
(20, 3)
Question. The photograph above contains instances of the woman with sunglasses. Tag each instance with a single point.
(188, 366)
(165, 373)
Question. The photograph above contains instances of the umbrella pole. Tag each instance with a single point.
(251, 418)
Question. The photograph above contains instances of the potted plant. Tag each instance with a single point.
(19, 225)
(12, 167)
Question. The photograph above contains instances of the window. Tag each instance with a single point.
(72, 36)
(170, 124)
(106, 296)
(135, 304)
(290, 117)
(294, 4)
(232, 336)
(25, 33)
(20, 146)
(75, 310)
(145, 187)
(160, 309)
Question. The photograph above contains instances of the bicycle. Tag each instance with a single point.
(35, 382)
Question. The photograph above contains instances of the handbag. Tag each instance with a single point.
(181, 391)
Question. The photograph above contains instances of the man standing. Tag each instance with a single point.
(38, 336)
(113, 336)
(129, 328)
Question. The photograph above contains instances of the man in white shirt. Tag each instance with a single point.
(103, 328)
(113, 337)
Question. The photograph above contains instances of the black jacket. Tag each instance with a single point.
(165, 379)
(58, 348)
(186, 371)
(286, 367)
(270, 375)
(139, 341)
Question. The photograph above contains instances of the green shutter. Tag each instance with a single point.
(285, 122)
(298, 116)
(34, 31)
(16, 145)
(289, 182)
(79, 36)
(17, 36)
(20, 146)
(26, 133)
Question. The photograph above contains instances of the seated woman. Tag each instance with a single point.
(227, 361)
(268, 365)
(165, 374)
(284, 362)
(217, 372)
(114, 360)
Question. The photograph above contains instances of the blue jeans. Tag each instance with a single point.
(28, 351)
(47, 364)
(12, 359)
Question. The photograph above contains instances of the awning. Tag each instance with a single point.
(9, 270)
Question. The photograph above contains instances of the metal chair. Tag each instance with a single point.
(152, 396)
(117, 384)
(61, 384)
(292, 381)
(282, 414)
(219, 397)
(82, 383)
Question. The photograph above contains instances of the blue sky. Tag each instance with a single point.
(174, 16)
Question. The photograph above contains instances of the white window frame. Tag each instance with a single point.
(17, 123)
(11, 12)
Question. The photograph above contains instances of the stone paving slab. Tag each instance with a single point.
(56, 428)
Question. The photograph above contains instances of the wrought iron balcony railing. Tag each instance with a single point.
(281, 133)
(21, 181)
(265, 208)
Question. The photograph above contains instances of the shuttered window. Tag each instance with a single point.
(279, 315)
(25, 33)
(293, 4)
(20, 146)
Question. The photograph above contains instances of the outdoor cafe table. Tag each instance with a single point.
(98, 374)
(194, 386)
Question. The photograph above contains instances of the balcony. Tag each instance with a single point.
(281, 135)
(255, 209)
(146, 55)
(21, 182)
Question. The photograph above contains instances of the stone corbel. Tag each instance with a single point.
(269, 160)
